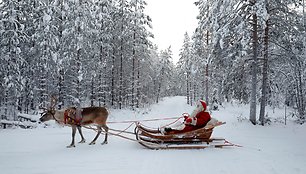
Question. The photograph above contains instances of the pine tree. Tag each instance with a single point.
(165, 67)
(185, 65)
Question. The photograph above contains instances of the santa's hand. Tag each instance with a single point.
(188, 120)
(191, 121)
(185, 118)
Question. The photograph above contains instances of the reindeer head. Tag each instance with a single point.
(48, 114)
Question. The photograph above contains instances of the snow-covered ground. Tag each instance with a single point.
(276, 148)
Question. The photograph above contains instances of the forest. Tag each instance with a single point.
(100, 53)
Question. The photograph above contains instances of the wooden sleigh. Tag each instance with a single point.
(196, 139)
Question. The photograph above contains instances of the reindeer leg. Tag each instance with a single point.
(80, 132)
(73, 135)
(106, 134)
(98, 134)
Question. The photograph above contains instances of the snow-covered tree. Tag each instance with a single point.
(185, 66)
(164, 73)
(246, 40)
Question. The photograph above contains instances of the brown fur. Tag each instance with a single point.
(90, 115)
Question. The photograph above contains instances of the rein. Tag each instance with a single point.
(65, 118)
(53, 115)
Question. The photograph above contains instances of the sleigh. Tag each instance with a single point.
(196, 139)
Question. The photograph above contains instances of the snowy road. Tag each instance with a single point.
(271, 149)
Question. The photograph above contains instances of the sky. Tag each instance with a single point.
(170, 20)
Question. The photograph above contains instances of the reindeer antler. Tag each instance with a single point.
(43, 108)
(53, 102)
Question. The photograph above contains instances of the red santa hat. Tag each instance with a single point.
(203, 104)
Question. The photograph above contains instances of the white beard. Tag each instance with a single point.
(198, 109)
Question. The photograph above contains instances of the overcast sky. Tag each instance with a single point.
(171, 19)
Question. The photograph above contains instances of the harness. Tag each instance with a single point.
(71, 120)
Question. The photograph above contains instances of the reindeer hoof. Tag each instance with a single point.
(82, 141)
(70, 146)
(105, 142)
(92, 143)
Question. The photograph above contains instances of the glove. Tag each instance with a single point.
(168, 129)
(191, 121)
(185, 115)
(188, 120)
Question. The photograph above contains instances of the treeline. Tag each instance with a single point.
(98, 52)
(84, 52)
(253, 51)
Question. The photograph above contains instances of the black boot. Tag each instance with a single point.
(168, 129)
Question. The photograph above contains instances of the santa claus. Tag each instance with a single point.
(198, 118)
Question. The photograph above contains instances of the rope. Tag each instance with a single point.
(134, 122)
(115, 134)
(103, 132)
(121, 131)
(237, 145)
(177, 119)
(148, 127)
(146, 120)
(172, 122)
(125, 137)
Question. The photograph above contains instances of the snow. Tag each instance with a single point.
(47, 18)
(275, 148)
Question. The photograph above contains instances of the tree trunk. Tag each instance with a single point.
(121, 77)
(264, 75)
(158, 92)
(195, 90)
(187, 89)
(92, 92)
(254, 72)
(133, 70)
(300, 92)
(206, 68)
(191, 91)
(138, 85)
(60, 88)
(159, 84)
(78, 87)
(134, 83)
(206, 84)
(113, 78)
(61, 70)
(121, 61)
(105, 86)
(100, 88)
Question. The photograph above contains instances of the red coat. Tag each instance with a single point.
(202, 118)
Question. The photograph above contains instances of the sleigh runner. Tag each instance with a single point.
(196, 139)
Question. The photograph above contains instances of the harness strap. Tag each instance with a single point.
(66, 116)
(71, 120)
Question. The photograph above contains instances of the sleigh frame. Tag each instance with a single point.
(196, 139)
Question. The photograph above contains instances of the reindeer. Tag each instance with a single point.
(90, 115)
